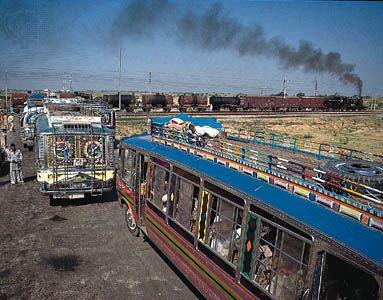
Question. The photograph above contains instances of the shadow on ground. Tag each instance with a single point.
(173, 267)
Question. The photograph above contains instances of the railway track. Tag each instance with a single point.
(254, 114)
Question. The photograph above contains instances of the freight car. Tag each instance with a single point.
(128, 102)
(275, 103)
(224, 102)
(157, 101)
(193, 102)
(18, 100)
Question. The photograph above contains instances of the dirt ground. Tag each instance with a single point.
(77, 250)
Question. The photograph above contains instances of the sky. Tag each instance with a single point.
(240, 46)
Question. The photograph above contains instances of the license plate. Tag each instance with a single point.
(76, 196)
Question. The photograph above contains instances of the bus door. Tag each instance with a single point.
(143, 187)
(336, 278)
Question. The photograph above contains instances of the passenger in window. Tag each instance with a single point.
(194, 215)
(164, 202)
(194, 211)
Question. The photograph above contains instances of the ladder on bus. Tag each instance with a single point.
(96, 170)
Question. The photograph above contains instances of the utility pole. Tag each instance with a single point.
(70, 82)
(6, 89)
(316, 88)
(150, 82)
(285, 88)
(64, 82)
(119, 84)
(264, 91)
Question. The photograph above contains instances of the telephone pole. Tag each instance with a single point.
(150, 82)
(119, 84)
(70, 82)
(264, 91)
(316, 88)
(285, 88)
(6, 88)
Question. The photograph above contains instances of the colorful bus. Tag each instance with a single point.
(235, 236)
(75, 154)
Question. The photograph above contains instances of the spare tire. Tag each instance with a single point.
(367, 172)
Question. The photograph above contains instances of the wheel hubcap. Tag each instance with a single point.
(129, 220)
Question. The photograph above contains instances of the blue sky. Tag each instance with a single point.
(42, 42)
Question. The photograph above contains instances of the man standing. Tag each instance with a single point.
(15, 158)
(10, 123)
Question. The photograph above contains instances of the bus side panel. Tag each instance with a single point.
(212, 282)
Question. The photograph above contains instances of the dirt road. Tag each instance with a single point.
(73, 251)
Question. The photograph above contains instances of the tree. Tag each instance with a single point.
(279, 94)
(300, 94)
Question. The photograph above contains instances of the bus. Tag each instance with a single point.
(75, 155)
(27, 125)
(235, 236)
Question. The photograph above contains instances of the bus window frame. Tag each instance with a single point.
(283, 230)
(133, 178)
(232, 265)
(150, 178)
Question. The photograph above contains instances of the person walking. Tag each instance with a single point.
(10, 123)
(5, 123)
(15, 158)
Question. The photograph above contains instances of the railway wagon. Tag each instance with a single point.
(234, 236)
(193, 102)
(74, 155)
(224, 102)
(277, 103)
(18, 100)
(313, 103)
(157, 101)
(128, 102)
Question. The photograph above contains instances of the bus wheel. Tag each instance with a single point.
(131, 222)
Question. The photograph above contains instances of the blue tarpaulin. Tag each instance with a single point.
(212, 122)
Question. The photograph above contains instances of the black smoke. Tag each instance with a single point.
(214, 29)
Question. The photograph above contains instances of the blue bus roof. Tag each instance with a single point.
(43, 127)
(354, 235)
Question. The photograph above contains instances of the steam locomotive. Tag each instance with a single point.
(194, 102)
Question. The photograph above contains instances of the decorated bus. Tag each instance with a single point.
(235, 235)
(74, 153)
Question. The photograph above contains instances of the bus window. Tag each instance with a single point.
(224, 229)
(186, 204)
(281, 264)
(121, 155)
(341, 280)
(129, 171)
(159, 187)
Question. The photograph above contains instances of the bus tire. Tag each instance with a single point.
(131, 222)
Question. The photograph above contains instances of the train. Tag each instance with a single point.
(201, 103)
